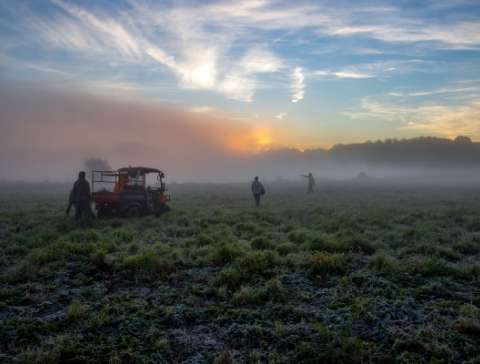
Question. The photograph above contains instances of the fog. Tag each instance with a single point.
(48, 134)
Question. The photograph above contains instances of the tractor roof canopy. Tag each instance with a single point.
(135, 171)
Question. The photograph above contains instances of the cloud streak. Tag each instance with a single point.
(380, 69)
(448, 121)
(215, 46)
(107, 31)
(298, 85)
(451, 89)
(343, 74)
(189, 54)
(428, 118)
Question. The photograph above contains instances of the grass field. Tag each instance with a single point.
(356, 273)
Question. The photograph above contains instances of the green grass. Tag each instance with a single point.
(76, 311)
(323, 264)
(351, 274)
(146, 264)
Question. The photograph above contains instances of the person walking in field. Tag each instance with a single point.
(80, 197)
(311, 182)
(258, 190)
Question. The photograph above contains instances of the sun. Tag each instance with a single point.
(252, 141)
(263, 139)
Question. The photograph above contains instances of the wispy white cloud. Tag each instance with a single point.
(108, 31)
(298, 84)
(238, 86)
(386, 23)
(395, 94)
(259, 60)
(457, 35)
(451, 89)
(367, 51)
(379, 69)
(189, 50)
(343, 74)
(220, 46)
(199, 70)
(281, 116)
(374, 69)
(202, 109)
(448, 120)
(48, 69)
(160, 56)
(240, 82)
(62, 32)
(208, 64)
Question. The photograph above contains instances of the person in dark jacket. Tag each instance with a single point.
(311, 182)
(258, 190)
(81, 198)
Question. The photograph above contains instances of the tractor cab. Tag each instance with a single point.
(129, 191)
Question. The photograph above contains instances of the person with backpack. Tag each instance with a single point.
(258, 190)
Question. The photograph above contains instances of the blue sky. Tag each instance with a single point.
(311, 73)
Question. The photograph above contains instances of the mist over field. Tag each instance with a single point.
(48, 134)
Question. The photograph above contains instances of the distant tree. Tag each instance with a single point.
(99, 164)
(463, 140)
(423, 151)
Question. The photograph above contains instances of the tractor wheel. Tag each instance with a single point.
(103, 212)
(134, 210)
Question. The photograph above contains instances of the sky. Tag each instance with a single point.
(216, 78)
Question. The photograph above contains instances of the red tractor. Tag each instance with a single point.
(125, 192)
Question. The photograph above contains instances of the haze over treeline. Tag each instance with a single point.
(414, 157)
(48, 135)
